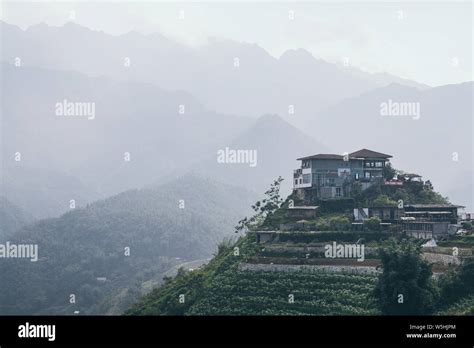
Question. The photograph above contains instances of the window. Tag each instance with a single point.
(367, 175)
(338, 192)
(306, 178)
(378, 164)
(296, 182)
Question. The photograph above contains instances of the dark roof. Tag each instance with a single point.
(427, 206)
(364, 153)
(322, 156)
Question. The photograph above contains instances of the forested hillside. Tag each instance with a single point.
(130, 239)
(12, 218)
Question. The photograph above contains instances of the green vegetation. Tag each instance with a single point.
(464, 306)
(334, 223)
(467, 225)
(456, 285)
(388, 171)
(264, 209)
(410, 193)
(384, 200)
(372, 224)
(406, 285)
(459, 241)
(89, 243)
(221, 289)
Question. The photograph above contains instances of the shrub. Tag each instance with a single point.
(372, 224)
(339, 223)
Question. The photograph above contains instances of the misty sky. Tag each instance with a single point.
(430, 42)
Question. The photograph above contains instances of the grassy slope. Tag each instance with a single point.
(220, 289)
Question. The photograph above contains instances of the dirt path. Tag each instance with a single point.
(186, 265)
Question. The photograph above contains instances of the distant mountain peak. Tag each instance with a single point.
(299, 53)
(269, 123)
(68, 28)
(269, 118)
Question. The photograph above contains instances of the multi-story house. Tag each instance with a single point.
(324, 176)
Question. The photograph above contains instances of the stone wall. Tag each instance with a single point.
(296, 268)
(441, 258)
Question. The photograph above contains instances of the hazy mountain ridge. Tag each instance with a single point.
(135, 118)
(225, 75)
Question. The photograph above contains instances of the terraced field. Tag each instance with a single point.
(224, 287)
(271, 293)
(219, 288)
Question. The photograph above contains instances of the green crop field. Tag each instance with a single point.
(221, 289)
(280, 293)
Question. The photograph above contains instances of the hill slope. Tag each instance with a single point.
(220, 288)
(238, 280)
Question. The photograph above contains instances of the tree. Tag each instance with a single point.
(384, 200)
(467, 225)
(405, 286)
(466, 276)
(263, 209)
(456, 284)
(388, 171)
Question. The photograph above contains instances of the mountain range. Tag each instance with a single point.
(225, 75)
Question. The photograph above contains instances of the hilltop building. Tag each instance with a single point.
(326, 176)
